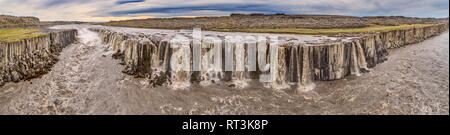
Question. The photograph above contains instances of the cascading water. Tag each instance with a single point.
(211, 61)
(296, 60)
(239, 62)
(87, 80)
(180, 62)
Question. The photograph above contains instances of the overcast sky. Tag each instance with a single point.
(105, 10)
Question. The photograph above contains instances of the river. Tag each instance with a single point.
(86, 80)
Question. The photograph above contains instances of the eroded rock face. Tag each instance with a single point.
(32, 57)
(149, 55)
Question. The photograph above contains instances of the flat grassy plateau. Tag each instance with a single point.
(300, 31)
(16, 34)
(304, 31)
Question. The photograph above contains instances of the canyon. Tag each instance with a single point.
(32, 57)
(86, 80)
(300, 60)
(94, 69)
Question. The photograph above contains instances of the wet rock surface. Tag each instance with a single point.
(29, 58)
(301, 59)
(413, 80)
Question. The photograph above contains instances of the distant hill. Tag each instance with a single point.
(14, 21)
(398, 20)
(51, 23)
(7, 21)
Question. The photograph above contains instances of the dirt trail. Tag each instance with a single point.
(87, 80)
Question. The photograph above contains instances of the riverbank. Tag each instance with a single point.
(25, 53)
(300, 59)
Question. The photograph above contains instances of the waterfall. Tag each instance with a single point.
(211, 61)
(297, 60)
(180, 62)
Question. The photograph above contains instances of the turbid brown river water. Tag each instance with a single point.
(86, 80)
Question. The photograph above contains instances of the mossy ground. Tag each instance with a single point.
(303, 31)
(130, 23)
(17, 34)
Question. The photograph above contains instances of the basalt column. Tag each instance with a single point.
(296, 62)
(29, 58)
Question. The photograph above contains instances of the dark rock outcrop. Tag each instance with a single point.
(297, 63)
(32, 57)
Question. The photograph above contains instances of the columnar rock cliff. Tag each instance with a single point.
(32, 57)
(298, 63)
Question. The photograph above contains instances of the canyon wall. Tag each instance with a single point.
(297, 63)
(32, 57)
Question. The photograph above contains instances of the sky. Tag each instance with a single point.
(113, 10)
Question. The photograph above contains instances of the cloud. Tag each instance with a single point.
(50, 3)
(105, 19)
(120, 2)
(213, 7)
(102, 10)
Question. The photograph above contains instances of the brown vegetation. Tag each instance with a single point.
(260, 21)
